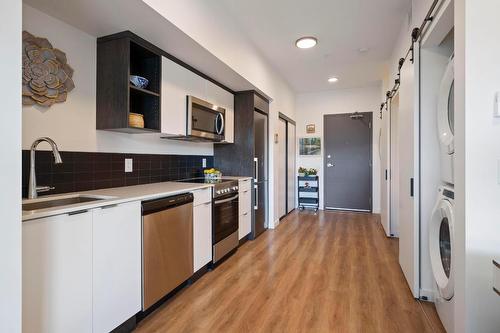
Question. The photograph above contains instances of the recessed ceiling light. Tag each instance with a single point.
(333, 79)
(363, 50)
(306, 42)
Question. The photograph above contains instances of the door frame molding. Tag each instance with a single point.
(287, 121)
(371, 162)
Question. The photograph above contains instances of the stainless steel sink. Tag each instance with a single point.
(60, 201)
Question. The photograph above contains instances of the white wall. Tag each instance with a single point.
(10, 166)
(225, 39)
(72, 124)
(479, 61)
(311, 107)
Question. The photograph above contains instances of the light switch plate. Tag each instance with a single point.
(496, 108)
(203, 162)
(128, 165)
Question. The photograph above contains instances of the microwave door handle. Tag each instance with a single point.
(256, 169)
(219, 118)
(221, 123)
(217, 123)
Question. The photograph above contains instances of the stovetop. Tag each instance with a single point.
(202, 180)
(222, 186)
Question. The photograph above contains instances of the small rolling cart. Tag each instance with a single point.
(308, 192)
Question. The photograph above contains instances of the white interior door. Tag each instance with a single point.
(291, 172)
(282, 164)
(394, 163)
(385, 167)
(408, 173)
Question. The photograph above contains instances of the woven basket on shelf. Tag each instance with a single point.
(136, 120)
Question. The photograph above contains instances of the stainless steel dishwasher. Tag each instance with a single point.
(167, 231)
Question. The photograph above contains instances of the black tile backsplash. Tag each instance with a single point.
(82, 171)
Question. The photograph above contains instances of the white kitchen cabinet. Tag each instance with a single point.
(179, 82)
(116, 274)
(220, 97)
(202, 228)
(57, 274)
(174, 89)
(244, 207)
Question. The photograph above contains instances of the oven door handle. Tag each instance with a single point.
(225, 200)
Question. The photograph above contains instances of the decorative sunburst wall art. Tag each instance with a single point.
(47, 77)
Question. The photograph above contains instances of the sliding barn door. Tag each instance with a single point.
(385, 168)
(408, 131)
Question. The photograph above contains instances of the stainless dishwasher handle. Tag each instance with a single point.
(225, 200)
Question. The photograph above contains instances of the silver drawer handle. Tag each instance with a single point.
(245, 214)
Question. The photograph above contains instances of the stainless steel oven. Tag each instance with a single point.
(225, 219)
(205, 120)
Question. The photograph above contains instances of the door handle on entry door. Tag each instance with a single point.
(329, 165)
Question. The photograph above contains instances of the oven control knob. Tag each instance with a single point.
(218, 192)
(235, 188)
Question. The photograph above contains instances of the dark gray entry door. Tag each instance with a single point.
(348, 161)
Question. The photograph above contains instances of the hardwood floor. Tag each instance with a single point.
(331, 272)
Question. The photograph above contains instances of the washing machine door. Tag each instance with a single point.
(446, 109)
(441, 244)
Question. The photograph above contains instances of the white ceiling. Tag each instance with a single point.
(342, 28)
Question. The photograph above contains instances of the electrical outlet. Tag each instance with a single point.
(128, 165)
(204, 162)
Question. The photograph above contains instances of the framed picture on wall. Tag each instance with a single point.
(310, 129)
(309, 146)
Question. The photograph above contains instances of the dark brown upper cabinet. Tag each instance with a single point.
(119, 56)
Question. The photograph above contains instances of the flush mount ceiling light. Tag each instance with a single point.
(306, 42)
(333, 79)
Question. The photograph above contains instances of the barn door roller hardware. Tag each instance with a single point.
(415, 35)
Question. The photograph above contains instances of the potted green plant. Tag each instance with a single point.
(312, 172)
(302, 172)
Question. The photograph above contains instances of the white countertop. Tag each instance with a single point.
(113, 196)
(237, 177)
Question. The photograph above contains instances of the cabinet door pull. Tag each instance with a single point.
(208, 203)
(78, 212)
(109, 206)
(245, 214)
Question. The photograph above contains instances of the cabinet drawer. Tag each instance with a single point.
(202, 196)
(245, 201)
(245, 225)
(245, 184)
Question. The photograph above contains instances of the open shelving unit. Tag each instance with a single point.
(119, 56)
(308, 192)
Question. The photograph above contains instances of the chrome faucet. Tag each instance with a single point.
(32, 188)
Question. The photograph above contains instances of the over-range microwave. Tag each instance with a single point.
(205, 121)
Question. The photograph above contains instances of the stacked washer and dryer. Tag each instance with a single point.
(442, 224)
